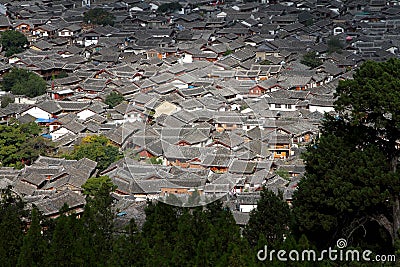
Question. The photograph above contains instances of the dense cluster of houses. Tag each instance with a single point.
(215, 91)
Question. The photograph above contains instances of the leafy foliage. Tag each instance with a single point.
(113, 99)
(170, 236)
(13, 42)
(99, 16)
(34, 245)
(228, 52)
(283, 173)
(5, 100)
(311, 60)
(335, 45)
(192, 237)
(370, 102)
(269, 221)
(265, 62)
(93, 185)
(24, 82)
(97, 148)
(21, 144)
(11, 212)
(169, 7)
(352, 185)
(62, 74)
(344, 189)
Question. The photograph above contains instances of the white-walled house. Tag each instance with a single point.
(282, 104)
(69, 31)
(91, 38)
(84, 114)
(59, 133)
(38, 113)
(321, 105)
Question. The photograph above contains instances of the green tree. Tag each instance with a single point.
(21, 144)
(169, 7)
(270, 220)
(228, 52)
(311, 60)
(186, 240)
(99, 16)
(159, 232)
(97, 148)
(62, 74)
(66, 246)
(370, 101)
(114, 99)
(92, 185)
(265, 62)
(223, 232)
(128, 248)
(13, 42)
(5, 100)
(33, 147)
(24, 82)
(34, 245)
(11, 213)
(283, 173)
(98, 220)
(343, 190)
(335, 45)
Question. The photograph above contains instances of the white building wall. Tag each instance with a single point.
(247, 207)
(37, 113)
(84, 114)
(321, 109)
(59, 132)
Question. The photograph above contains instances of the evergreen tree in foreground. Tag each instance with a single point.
(34, 246)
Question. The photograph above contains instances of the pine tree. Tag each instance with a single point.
(97, 220)
(34, 246)
(271, 219)
(129, 248)
(11, 227)
(65, 248)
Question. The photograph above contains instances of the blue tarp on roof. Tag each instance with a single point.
(40, 120)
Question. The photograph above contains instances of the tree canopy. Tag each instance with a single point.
(21, 144)
(11, 212)
(99, 16)
(5, 100)
(270, 221)
(169, 7)
(24, 82)
(170, 236)
(370, 101)
(344, 192)
(113, 99)
(311, 60)
(97, 148)
(13, 42)
(351, 186)
(335, 45)
(92, 185)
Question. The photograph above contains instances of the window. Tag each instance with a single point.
(277, 105)
(288, 106)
